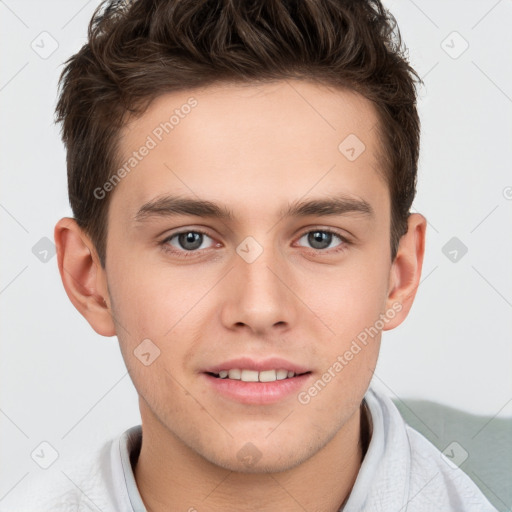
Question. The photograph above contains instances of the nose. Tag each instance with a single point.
(259, 295)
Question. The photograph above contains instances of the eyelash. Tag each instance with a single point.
(187, 254)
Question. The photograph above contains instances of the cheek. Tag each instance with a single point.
(350, 299)
(152, 302)
(337, 392)
(150, 320)
(159, 317)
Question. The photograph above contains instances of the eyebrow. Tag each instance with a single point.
(169, 206)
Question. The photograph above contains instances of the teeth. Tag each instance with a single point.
(249, 376)
(235, 374)
(267, 376)
(281, 374)
(255, 376)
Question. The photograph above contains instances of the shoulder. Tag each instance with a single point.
(81, 484)
(435, 481)
(430, 481)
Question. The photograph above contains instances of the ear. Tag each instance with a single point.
(405, 272)
(82, 275)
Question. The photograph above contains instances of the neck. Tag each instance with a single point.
(171, 476)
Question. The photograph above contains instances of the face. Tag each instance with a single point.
(285, 268)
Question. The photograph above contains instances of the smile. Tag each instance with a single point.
(254, 375)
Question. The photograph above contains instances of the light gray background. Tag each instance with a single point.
(64, 384)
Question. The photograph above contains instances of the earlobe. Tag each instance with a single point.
(406, 270)
(82, 276)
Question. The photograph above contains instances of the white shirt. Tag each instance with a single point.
(401, 472)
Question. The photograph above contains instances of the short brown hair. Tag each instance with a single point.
(138, 50)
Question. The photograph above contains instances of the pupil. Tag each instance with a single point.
(190, 240)
(319, 239)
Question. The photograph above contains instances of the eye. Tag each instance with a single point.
(186, 242)
(321, 239)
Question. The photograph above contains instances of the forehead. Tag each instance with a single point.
(244, 144)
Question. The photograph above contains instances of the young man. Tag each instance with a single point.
(241, 176)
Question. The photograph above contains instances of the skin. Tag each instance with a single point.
(254, 149)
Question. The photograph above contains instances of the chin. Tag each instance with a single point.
(260, 457)
(274, 463)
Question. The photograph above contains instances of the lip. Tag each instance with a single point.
(247, 363)
(257, 393)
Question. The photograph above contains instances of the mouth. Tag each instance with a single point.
(246, 375)
(247, 381)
